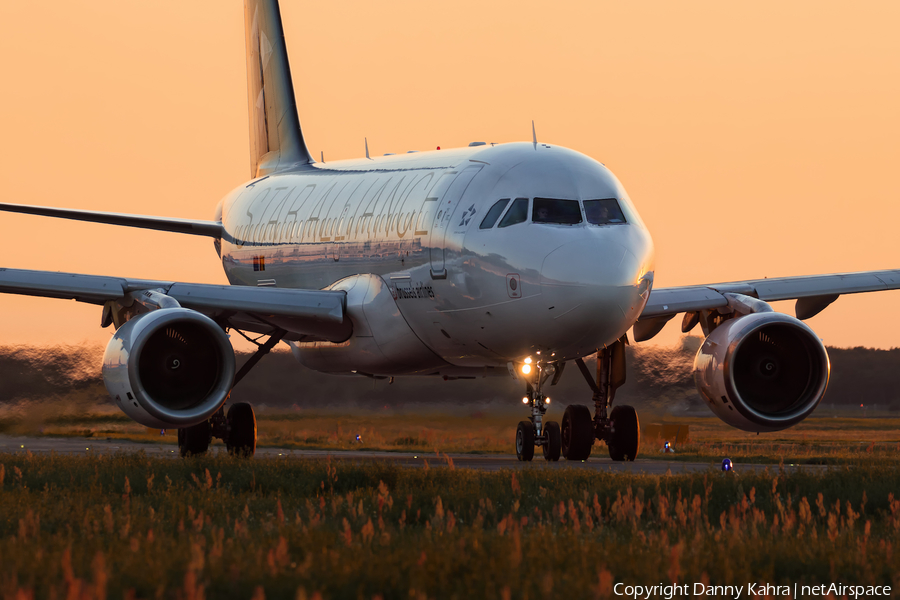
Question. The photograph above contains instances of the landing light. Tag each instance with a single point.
(547, 400)
(524, 399)
(526, 368)
(528, 362)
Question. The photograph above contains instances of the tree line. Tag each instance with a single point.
(657, 377)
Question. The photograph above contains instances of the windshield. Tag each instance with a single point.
(560, 212)
(603, 212)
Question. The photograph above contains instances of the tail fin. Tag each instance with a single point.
(276, 140)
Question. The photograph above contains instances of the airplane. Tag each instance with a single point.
(509, 260)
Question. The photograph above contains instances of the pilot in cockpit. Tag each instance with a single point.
(602, 215)
(603, 212)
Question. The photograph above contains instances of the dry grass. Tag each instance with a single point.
(133, 526)
(827, 438)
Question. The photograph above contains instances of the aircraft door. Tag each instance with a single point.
(442, 223)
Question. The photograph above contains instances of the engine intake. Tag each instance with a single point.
(762, 372)
(171, 367)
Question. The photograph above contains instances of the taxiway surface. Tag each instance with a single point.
(483, 462)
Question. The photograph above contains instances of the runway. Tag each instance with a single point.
(482, 462)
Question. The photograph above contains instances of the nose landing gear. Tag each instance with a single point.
(534, 432)
(619, 427)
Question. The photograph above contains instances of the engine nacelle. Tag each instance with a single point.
(762, 372)
(171, 367)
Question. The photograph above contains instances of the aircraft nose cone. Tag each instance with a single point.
(590, 284)
(580, 267)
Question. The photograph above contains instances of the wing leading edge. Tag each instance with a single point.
(303, 313)
(208, 228)
(813, 294)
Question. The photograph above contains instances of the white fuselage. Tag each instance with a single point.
(461, 296)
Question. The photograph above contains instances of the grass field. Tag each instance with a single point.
(133, 526)
(825, 438)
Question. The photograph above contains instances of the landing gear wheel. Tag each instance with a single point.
(242, 433)
(625, 441)
(552, 445)
(577, 435)
(525, 441)
(194, 440)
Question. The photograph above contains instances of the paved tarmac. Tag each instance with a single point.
(483, 462)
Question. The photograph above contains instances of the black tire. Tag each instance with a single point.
(242, 430)
(525, 441)
(553, 444)
(625, 440)
(194, 440)
(577, 434)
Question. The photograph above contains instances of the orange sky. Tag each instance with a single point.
(757, 139)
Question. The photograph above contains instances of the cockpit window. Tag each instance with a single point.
(492, 215)
(560, 212)
(603, 212)
(517, 213)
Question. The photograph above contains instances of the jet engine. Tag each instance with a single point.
(170, 367)
(765, 371)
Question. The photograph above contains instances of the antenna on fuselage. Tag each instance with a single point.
(323, 155)
(367, 148)
(533, 135)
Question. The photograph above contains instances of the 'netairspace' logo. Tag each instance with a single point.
(795, 591)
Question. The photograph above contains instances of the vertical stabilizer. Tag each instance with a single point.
(276, 140)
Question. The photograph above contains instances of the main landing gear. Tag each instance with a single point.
(619, 427)
(237, 428)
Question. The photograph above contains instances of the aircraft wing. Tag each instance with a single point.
(813, 293)
(192, 227)
(318, 314)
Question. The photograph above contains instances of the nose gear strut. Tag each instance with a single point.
(534, 432)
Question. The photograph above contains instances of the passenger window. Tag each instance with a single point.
(492, 215)
(517, 213)
(559, 212)
(603, 212)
